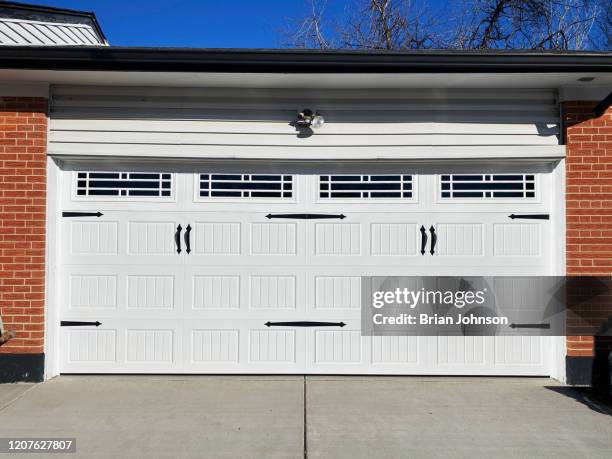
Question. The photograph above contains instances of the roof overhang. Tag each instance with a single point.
(589, 74)
(142, 59)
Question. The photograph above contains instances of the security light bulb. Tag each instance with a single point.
(317, 121)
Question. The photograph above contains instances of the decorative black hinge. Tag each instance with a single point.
(82, 214)
(72, 323)
(531, 216)
(304, 324)
(306, 216)
(544, 326)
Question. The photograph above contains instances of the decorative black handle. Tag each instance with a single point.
(423, 239)
(187, 239)
(434, 239)
(177, 238)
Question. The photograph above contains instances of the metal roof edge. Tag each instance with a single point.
(297, 61)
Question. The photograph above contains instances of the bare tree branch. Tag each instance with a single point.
(460, 24)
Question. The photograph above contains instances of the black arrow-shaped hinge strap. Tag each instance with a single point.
(304, 323)
(543, 326)
(76, 323)
(530, 216)
(307, 216)
(82, 214)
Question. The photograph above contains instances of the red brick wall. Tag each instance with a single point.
(23, 140)
(588, 200)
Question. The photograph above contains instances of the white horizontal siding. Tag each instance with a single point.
(200, 122)
(317, 140)
(269, 127)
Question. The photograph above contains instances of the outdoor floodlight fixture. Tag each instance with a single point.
(309, 119)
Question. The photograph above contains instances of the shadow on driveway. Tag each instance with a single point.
(585, 396)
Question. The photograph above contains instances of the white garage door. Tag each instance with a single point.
(187, 264)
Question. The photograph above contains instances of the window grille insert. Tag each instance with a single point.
(487, 186)
(246, 186)
(124, 184)
(365, 186)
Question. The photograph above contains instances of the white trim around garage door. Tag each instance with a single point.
(52, 347)
(276, 152)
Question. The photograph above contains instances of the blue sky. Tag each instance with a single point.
(193, 23)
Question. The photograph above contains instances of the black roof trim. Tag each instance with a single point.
(51, 10)
(297, 61)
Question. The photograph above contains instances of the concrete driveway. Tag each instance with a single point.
(294, 417)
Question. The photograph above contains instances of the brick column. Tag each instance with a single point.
(23, 143)
(589, 211)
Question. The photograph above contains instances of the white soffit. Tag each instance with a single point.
(307, 81)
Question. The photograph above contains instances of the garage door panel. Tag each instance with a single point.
(393, 239)
(365, 239)
(245, 290)
(496, 241)
(214, 291)
(92, 346)
(214, 345)
(517, 239)
(338, 239)
(85, 238)
(151, 237)
(123, 345)
(461, 350)
(273, 239)
(337, 293)
(94, 290)
(110, 291)
(217, 307)
(133, 237)
(460, 239)
(395, 350)
(338, 346)
(520, 351)
(219, 238)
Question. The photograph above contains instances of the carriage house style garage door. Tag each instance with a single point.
(187, 264)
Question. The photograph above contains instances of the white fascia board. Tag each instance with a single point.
(12, 89)
(230, 152)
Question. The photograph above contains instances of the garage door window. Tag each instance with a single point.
(246, 186)
(487, 186)
(124, 184)
(365, 186)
